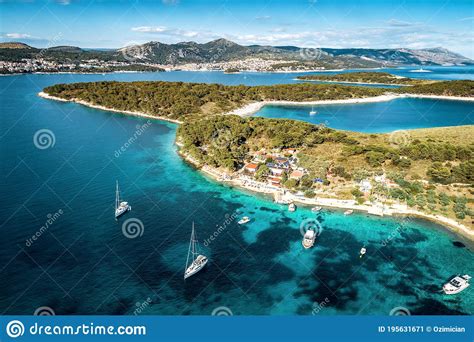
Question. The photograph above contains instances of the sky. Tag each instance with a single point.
(305, 23)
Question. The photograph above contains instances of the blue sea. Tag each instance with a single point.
(380, 117)
(59, 165)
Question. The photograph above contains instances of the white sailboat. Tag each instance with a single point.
(420, 70)
(120, 207)
(312, 112)
(198, 260)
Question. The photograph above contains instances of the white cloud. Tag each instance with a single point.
(163, 30)
(400, 23)
(150, 29)
(16, 35)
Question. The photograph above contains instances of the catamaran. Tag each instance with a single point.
(198, 260)
(457, 284)
(120, 207)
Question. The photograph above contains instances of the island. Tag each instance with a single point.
(364, 77)
(430, 175)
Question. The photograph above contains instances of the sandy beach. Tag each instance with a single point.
(88, 104)
(346, 82)
(252, 108)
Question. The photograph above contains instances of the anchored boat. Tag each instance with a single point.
(198, 260)
(309, 238)
(244, 220)
(291, 207)
(457, 284)
(120, 207)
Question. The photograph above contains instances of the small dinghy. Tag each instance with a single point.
(244, 220)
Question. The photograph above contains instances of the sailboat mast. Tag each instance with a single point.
(190, 250)
(194, 242)
(117, 195)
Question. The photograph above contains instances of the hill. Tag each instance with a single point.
(14, 45)
(223, 50)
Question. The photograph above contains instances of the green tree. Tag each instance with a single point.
(262, 172)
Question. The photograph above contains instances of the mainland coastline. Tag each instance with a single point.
(249, 109)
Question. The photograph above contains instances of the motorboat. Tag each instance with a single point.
(309, 238)
(244, 220)
(457, 284)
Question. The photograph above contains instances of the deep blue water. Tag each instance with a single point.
(404, 113)
(83, 264)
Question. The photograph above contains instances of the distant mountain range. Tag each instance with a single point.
(222, 50)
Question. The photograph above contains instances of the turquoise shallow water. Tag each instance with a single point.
(405, 113)
(83, 264)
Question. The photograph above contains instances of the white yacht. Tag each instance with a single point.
(198, 260)
(348, 212)
(362, 252)
(291, 207)
(316, 209)
(120, 207)
(309, 238)
(244, 220)
(457, 284)
(420, 70)
(312, 112)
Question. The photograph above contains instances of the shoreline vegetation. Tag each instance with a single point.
(364, 77)
(108, 109)
(334, 203)
(447, 175)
